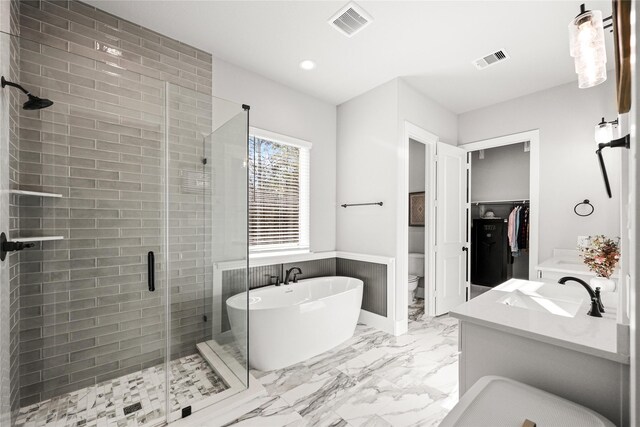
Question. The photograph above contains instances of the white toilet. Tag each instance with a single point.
(416, 271)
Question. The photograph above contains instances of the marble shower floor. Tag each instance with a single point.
(373, 379)
(192, 380)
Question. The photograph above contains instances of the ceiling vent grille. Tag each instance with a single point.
(350, 20)
(491, 59)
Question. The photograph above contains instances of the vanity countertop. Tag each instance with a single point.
(547, 312)
(569, 262)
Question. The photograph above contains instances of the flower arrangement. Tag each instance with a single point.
(601, 254)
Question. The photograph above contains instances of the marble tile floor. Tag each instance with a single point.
(416, 309)
(192, 379)
(373, 379)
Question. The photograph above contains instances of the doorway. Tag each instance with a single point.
(447, 242)
(445, 211)
(503, 225)
(417, 236)
(416, 228)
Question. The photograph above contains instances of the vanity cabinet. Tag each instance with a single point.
(539, 333)
(594, 382)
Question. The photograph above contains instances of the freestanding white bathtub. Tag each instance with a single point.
(292, 323)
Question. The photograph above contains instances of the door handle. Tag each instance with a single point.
(151, 265)
(465, 249)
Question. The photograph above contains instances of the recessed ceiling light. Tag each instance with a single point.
(307, 65)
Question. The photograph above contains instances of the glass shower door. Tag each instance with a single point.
(206, 218)
(228, 333)
(88, 192)
(137, 213)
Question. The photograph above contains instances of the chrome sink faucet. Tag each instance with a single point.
(596, 302)
(295, 271)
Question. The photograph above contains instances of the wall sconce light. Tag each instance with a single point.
(604, 131)
(586, 45)
(604, 138)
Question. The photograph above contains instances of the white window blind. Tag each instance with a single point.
(278, 192)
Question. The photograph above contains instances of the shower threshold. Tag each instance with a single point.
(138, 398)
(224, 359)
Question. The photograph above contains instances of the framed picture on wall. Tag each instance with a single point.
(416, 209)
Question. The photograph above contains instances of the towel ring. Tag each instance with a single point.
(585, 202)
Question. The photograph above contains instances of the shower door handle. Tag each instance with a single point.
(151, 275)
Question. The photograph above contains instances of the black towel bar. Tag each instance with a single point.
(361, 204)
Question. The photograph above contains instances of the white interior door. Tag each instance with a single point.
(451, 205)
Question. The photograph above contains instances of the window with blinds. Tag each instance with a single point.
(278, 192)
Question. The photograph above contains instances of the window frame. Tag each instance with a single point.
(304, 203)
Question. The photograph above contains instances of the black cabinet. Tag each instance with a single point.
(490, 252)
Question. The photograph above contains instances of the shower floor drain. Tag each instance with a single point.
(132, 408)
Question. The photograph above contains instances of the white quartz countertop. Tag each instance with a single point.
(568, 262)
(557, 316)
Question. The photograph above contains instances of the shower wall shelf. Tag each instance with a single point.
(37, 239)
(34, 193)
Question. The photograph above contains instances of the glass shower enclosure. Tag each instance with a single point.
(130, 190)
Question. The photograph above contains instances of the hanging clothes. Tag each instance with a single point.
(518, 229)
(511, 229)
(523, 232)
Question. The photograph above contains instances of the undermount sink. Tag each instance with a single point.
(542, 304)
(546, 298)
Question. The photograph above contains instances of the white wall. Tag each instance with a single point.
(417, 169)
(370, 156)
(503, 174)
(367, 150)
(280, 109)
(569, 171)
(420, 110)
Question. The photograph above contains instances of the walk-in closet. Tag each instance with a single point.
(500, 215)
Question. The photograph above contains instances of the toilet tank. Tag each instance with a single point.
(416, 264)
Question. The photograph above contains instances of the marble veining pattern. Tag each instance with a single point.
(416, 309)
(373, 379)
(192, 379)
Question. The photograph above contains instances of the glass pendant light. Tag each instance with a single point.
(586, 37)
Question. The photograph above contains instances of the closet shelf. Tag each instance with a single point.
(36, 238)
(498, 202)
(34, 193)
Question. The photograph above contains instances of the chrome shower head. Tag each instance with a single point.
(34, 102)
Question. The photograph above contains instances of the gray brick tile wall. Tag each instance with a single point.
(14, 223)
(81, 311)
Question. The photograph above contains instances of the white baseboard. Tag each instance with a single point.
(400, 327)
(382, 323)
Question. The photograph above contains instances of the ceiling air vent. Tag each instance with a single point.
(350, 19)
(491, 59)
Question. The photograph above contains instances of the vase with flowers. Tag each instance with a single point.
(601, 254)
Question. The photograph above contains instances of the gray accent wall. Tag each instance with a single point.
(81, 304)
(374, 276)
(310, 269)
